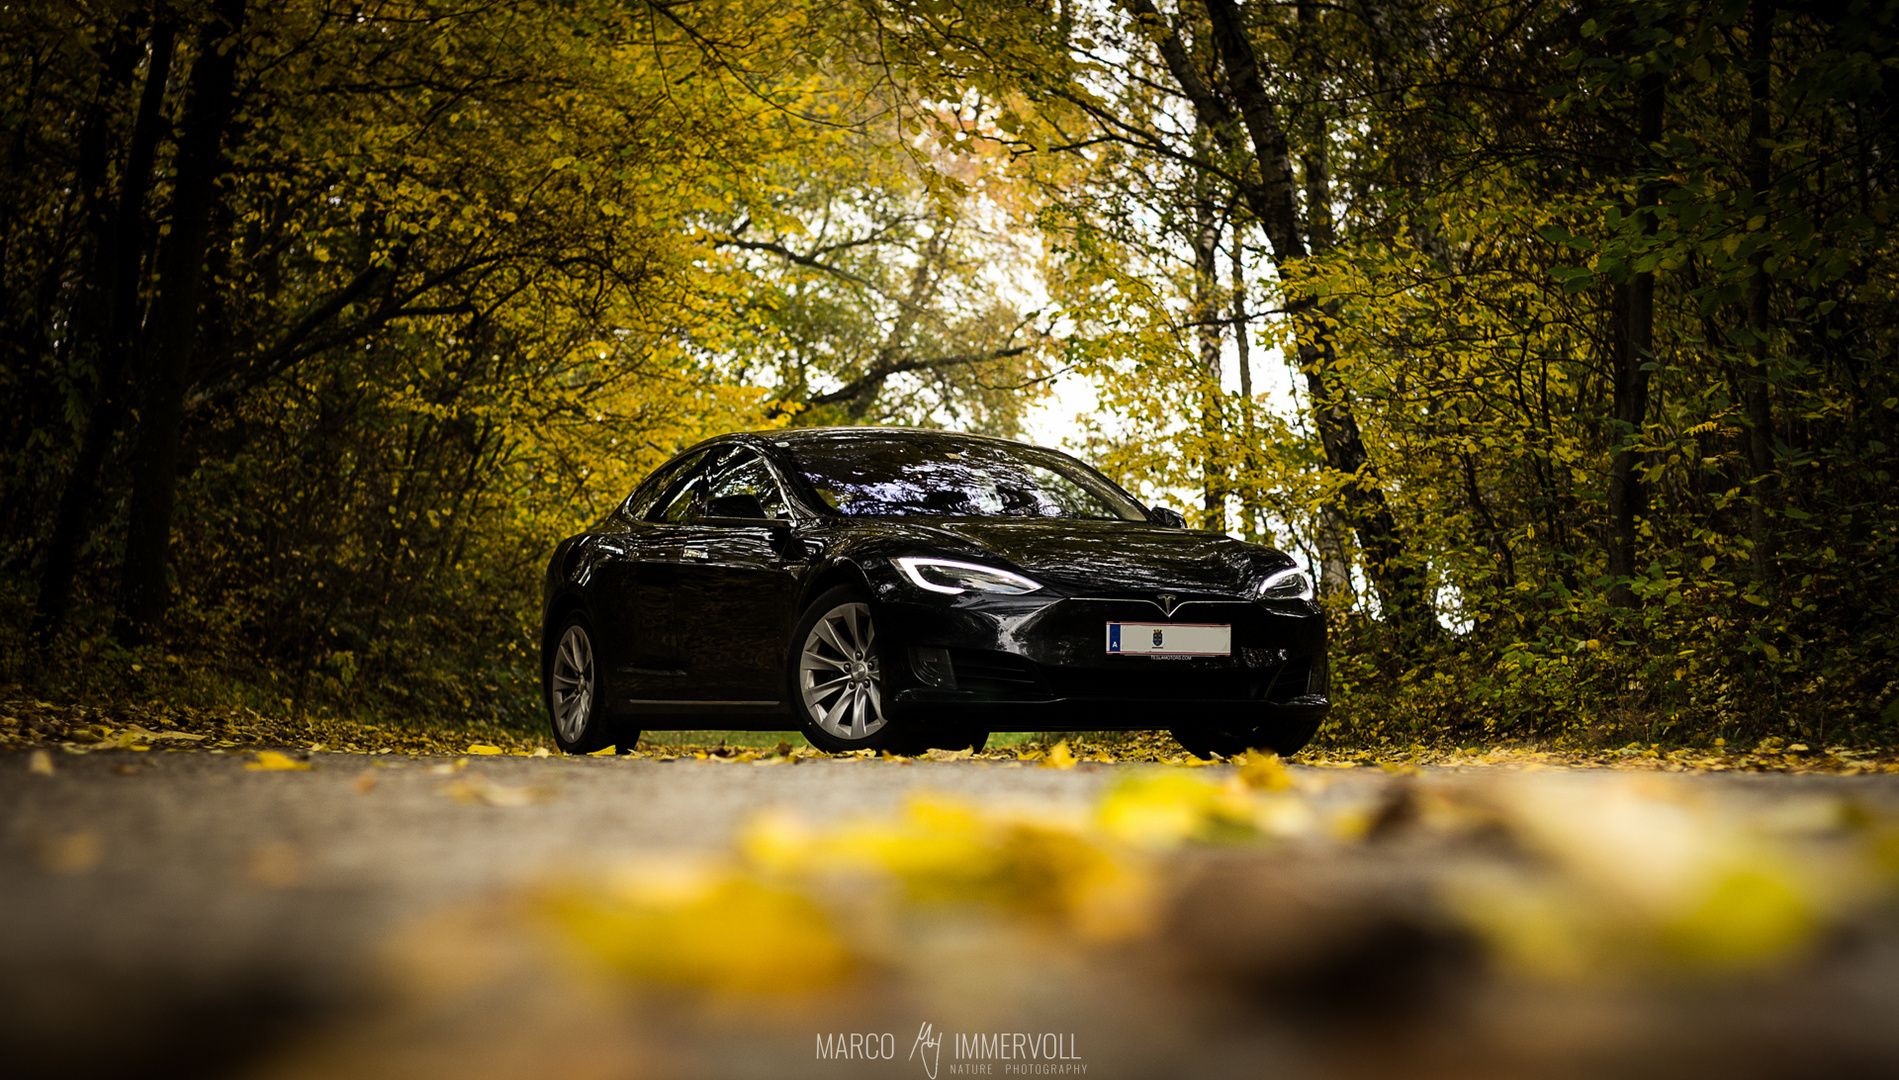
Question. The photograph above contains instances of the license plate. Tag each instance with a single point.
(1170, 639)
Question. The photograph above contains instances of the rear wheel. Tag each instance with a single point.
(571, 685)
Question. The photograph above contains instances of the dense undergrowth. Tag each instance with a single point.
(1669, 678)
(167, 723)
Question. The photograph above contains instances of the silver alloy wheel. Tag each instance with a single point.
(839, 676)
(571, 693)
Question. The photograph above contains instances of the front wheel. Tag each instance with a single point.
(837, 675)
(571, 686)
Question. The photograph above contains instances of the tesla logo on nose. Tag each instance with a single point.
(1157, 639)
(1168, 600)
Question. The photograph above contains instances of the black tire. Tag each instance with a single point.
(570, 688)
(1284, 740)
(844, 712)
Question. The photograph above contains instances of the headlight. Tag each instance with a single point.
(950, 576)
(1290, 584)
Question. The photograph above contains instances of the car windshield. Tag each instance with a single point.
(946, 477)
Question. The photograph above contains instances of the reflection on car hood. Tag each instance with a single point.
(1115, 556)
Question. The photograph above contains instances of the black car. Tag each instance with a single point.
(884, 588)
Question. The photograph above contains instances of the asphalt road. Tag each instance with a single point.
(178, 913)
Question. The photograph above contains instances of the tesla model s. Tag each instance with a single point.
(896, 589)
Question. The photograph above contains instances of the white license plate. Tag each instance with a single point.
(1170, 639)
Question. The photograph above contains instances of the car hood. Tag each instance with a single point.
(1083, 556)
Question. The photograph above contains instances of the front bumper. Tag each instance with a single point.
(1035, 664)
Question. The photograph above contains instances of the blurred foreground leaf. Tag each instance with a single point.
(703, 928)
(271, 760)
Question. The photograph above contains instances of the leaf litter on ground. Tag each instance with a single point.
(1446, 921)
(79, 728)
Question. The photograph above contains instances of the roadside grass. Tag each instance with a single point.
(29, 723)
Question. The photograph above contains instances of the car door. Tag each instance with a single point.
(639, 578)
(736, 586)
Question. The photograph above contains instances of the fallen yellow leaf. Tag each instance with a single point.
(666, 928)
(1165, 807)
(41, 764)
(1041, 867)
(1262, 769)
(1059, 757)
(272, 760)
(484, 749)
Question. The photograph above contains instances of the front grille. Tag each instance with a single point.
(1147, 679)
(1140, 678)
(1009, 677)
(994, 673)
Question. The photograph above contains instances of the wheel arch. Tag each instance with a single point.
(845, 572)
(562, 605)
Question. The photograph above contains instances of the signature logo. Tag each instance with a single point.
(1169, 601)
(930, 1044)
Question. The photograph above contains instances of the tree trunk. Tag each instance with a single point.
(120, 256)
(1252, 514)
(1635, 356)
(1274, 201)
(1206, 318)
(172, 326)
(1335, 559)
(1334, 539)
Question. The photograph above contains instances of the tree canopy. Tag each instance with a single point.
(323, 321)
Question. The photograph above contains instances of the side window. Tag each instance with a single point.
(682, 500)
(640, 504)
(747, 474)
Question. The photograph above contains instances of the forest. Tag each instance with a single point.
(1557, 337)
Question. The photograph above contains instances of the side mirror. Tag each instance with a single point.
(1161, 515)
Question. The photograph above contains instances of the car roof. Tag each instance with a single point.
(765, 442)
(789, 437)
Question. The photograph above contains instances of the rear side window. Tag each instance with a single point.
(746, 473)
(662, 487)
